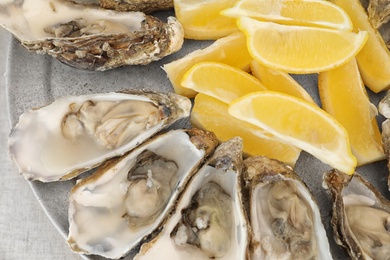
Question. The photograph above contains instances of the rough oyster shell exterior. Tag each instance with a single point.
(384, 109)
(378, 12)
(146, 6)
(91, 38)
(386, 145)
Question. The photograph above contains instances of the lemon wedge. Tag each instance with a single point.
(298, 123)
(300, 49)
(220, 80)
(212, 114)
(201, 19)
(315, 13)
(344, 96)
(374, 58)
(230, 50)
(279, 81)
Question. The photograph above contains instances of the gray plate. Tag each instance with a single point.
(36, 80)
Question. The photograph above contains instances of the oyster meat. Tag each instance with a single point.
(90, 38)
(360, 216)
(210, 220)
(76, 133)
(146, 6)
(127, 199)
(284, 216)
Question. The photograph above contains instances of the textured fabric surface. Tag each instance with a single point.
(25, 230)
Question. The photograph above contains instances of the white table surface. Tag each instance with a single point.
(25, 230)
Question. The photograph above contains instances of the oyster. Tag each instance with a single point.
(361, 216)
(284, 216)
(384, 105)
(378, 12)
(209, 221)
(126, 200)
(384, 109)
(90, 38)
(386, 145)
(76, 133)
(146, 6)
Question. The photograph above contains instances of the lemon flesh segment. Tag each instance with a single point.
(298, 123)
(230, 50)
(315, 13)
(344, 97)
(212, 114)
(374, 58)
(300, 49)
(279, 81)
(201, 19)
(221, 81)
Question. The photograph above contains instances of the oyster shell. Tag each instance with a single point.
(386, 145)
(360, 216)
(146, 6)
(384, 109)
(284, 216)
(209, 221)
(90, 38)
(126, 200)
(76, 133)
(384, 105)
(378, 12)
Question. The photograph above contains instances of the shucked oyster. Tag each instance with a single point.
(146, 6)
(90, 38)
(209, 221)
(360, 217)
(76, 133)
(128, 198)
(284, 217)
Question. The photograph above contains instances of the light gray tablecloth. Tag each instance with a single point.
(25, 230)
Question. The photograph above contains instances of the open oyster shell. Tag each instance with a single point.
(127, 199)
(284, 216)
(76, 133)
(209, 221)
(360, 216)
(90, 38)
(146, 6)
